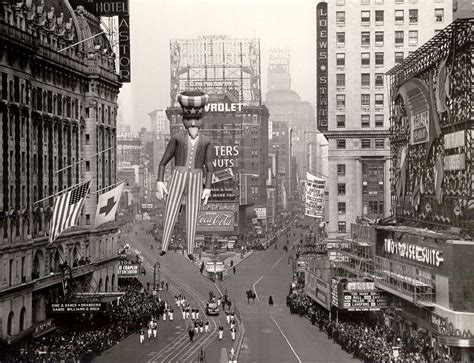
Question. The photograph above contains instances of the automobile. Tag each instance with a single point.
(212, 308)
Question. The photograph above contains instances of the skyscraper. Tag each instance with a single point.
(357, 42)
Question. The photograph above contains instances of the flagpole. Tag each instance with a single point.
(80, 161)
(108, 186)
(62, 191)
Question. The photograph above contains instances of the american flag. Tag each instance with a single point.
(67, 209)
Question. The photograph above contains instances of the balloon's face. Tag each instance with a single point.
(193, 131)
(193, 122)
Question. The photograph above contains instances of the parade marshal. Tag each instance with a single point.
(193, 156)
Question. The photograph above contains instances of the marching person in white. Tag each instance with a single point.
(232, 323)
(170, 313)
(142, 336)
(221, 332)
(183, 311)
(154, 330)
(227, 318)
(165, 312)
(219, 301)
(193, 314)
(232, 333)
(232, 356)
(197, 314)
(206, 327)
(149, 331)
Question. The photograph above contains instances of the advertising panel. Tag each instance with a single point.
(317, 289)
(78, 307)
(216, 217)
(128, 268)
(322, 65)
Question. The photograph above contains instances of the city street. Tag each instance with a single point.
(173, 344)
(272, 334)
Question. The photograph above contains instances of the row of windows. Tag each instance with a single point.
(365, 61)
(367, 2)
(364, 79)
(399, 16)
(365, 38)
(364, 100)
(364, 121)
(365, 144)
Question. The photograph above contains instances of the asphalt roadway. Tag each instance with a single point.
(272, 334)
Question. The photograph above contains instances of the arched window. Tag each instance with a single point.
(107, 284)
(100, 286)
(22, 318)
(10, 323)
(112, 286)
(38, 265)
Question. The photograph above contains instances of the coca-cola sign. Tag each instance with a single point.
(211, 220)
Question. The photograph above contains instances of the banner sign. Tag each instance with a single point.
(261, 212)
(128, 269)
(314, 197)
(90, 307)
(322, 65)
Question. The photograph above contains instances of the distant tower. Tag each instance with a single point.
(279, 69)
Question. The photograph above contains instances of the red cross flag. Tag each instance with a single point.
(67, 209)
(107, 205)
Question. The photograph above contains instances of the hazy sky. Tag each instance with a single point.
(278, 23)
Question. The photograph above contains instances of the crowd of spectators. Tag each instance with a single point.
(87, 335)
(367, 341)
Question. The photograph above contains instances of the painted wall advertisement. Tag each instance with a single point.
(216, 217)
(225, 180)
(322, 65)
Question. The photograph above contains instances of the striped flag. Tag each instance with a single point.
(67, 208)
